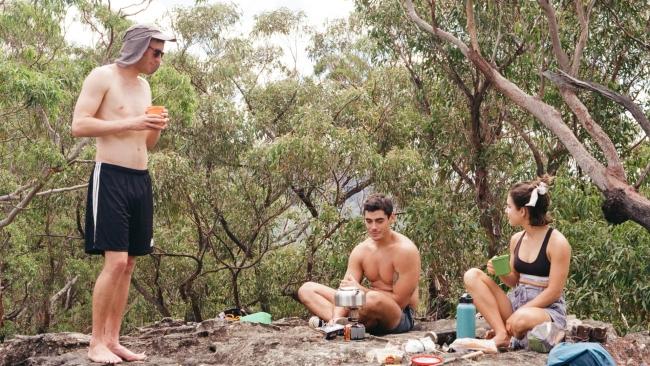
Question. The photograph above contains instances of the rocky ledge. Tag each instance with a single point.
(288, 341)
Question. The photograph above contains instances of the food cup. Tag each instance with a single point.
(156, 109)
(501, 264)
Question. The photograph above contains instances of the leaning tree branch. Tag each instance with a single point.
(14, 196)
(61, 292)
(64, 189)
(621, 99)
(595, 131)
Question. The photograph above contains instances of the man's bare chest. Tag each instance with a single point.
(124, 100)
(379, 266)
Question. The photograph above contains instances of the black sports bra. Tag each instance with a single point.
(541, 266)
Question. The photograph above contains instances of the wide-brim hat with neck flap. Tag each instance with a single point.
(136, 41)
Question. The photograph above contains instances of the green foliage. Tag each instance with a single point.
(609, 276)
(174, 90)
(280, 21)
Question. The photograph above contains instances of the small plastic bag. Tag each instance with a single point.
(391, 355)
(543, 337)
(473, 344)
(420, 345)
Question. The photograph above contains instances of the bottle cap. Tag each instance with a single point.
(466, 299)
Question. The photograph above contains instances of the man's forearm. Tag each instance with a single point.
(391, 295)
(95, 127)
(510, 279)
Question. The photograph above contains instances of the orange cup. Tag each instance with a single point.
(155, 109)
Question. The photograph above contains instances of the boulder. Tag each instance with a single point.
(288, 341)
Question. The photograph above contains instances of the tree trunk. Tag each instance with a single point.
(622, 204)
(196, 306)
(262, 292)
(310, 259)
(438, 304)
(235, 288)
(489, 218)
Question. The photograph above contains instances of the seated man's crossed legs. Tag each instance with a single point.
(380, 311)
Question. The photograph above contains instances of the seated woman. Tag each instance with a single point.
(539, 259)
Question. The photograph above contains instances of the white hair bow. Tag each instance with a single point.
(541, 189)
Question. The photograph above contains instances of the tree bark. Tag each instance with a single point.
(235, 288)
(438, 305)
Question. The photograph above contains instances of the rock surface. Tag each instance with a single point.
(288, 341)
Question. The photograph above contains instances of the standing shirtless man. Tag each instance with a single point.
(119, 212)
(390, 262)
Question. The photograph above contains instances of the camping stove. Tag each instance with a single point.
(352, 299)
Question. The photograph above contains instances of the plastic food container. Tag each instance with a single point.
(426, 360)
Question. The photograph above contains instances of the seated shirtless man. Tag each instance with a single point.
(390, 262)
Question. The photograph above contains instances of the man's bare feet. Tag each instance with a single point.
(126, 354)
(100, 353)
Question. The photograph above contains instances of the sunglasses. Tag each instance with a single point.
(156, 52)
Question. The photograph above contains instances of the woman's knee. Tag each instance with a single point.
(472, 276)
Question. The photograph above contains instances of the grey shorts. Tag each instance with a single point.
(406, 323)
(523, 293)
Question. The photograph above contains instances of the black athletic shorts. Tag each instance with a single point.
(406, 324)
(119, 211)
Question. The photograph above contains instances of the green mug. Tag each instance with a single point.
(501, 264)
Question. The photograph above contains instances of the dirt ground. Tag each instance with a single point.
(288, 341)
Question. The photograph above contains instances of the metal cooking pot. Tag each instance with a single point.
(350, 297)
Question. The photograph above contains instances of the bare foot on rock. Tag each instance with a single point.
(100, 353)
(126, 354)
(501, 340)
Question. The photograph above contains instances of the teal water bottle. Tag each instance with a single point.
(466, 317)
